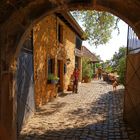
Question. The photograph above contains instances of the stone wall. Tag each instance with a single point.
(69, 43)
(44, 43)
(46, 46)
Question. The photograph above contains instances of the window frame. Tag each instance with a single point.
(51, 65)
(60, 33)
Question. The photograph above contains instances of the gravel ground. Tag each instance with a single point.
(95, 113)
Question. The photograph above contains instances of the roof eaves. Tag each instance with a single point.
(89, 54)
(73, 23)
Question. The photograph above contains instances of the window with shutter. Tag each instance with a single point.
(51, 66)
(60, 33)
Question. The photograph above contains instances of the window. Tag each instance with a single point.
(60, 33)
(133, 42)
(78, 43)
(51, 66)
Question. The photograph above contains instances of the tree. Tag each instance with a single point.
(121, 70)
(119, 63)
(117, 56)
(98, 25)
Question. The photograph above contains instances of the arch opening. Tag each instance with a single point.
(17, 26)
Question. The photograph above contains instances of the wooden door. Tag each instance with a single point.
(25, 85)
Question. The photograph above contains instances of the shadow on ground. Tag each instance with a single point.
(108, 124)
(87, 131)
(55, 107)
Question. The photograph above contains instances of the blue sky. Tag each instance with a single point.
(106, 51)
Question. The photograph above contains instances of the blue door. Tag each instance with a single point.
(25, 85)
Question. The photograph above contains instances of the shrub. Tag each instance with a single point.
(87, 70)
(121, 70)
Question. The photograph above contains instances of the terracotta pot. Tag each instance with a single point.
(87, 79)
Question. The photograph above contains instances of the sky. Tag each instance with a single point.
(106, 51)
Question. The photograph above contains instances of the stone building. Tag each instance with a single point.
(92, 58)
(82, 52)
(48, 50)
(88, 54)
(55, 39)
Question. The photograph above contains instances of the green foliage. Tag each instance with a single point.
(117, 63)
(87, 68)
(98, 65)
(121, 70)
(52, 77)
(108, 69)
(98, 25)
(117, 56)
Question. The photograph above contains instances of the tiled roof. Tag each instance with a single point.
(87, 53)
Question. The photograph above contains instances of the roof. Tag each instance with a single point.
(69, 20)
(87, 53)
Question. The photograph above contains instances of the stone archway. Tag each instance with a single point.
(17, 18)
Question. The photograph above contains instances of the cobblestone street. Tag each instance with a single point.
(95, 113)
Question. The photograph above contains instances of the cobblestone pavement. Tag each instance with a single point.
(95, 113)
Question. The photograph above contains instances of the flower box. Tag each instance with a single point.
(52, 79)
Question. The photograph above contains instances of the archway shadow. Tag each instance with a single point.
(54, 107)
(102, 121)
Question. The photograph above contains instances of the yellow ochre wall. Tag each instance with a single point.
(46, 45)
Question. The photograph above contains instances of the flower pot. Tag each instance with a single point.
(87, 79)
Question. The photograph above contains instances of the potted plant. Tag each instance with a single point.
(87, 76)
(87, 70)
(52, 79)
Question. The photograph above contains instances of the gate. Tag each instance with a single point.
(132, 87)
(25, 84)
